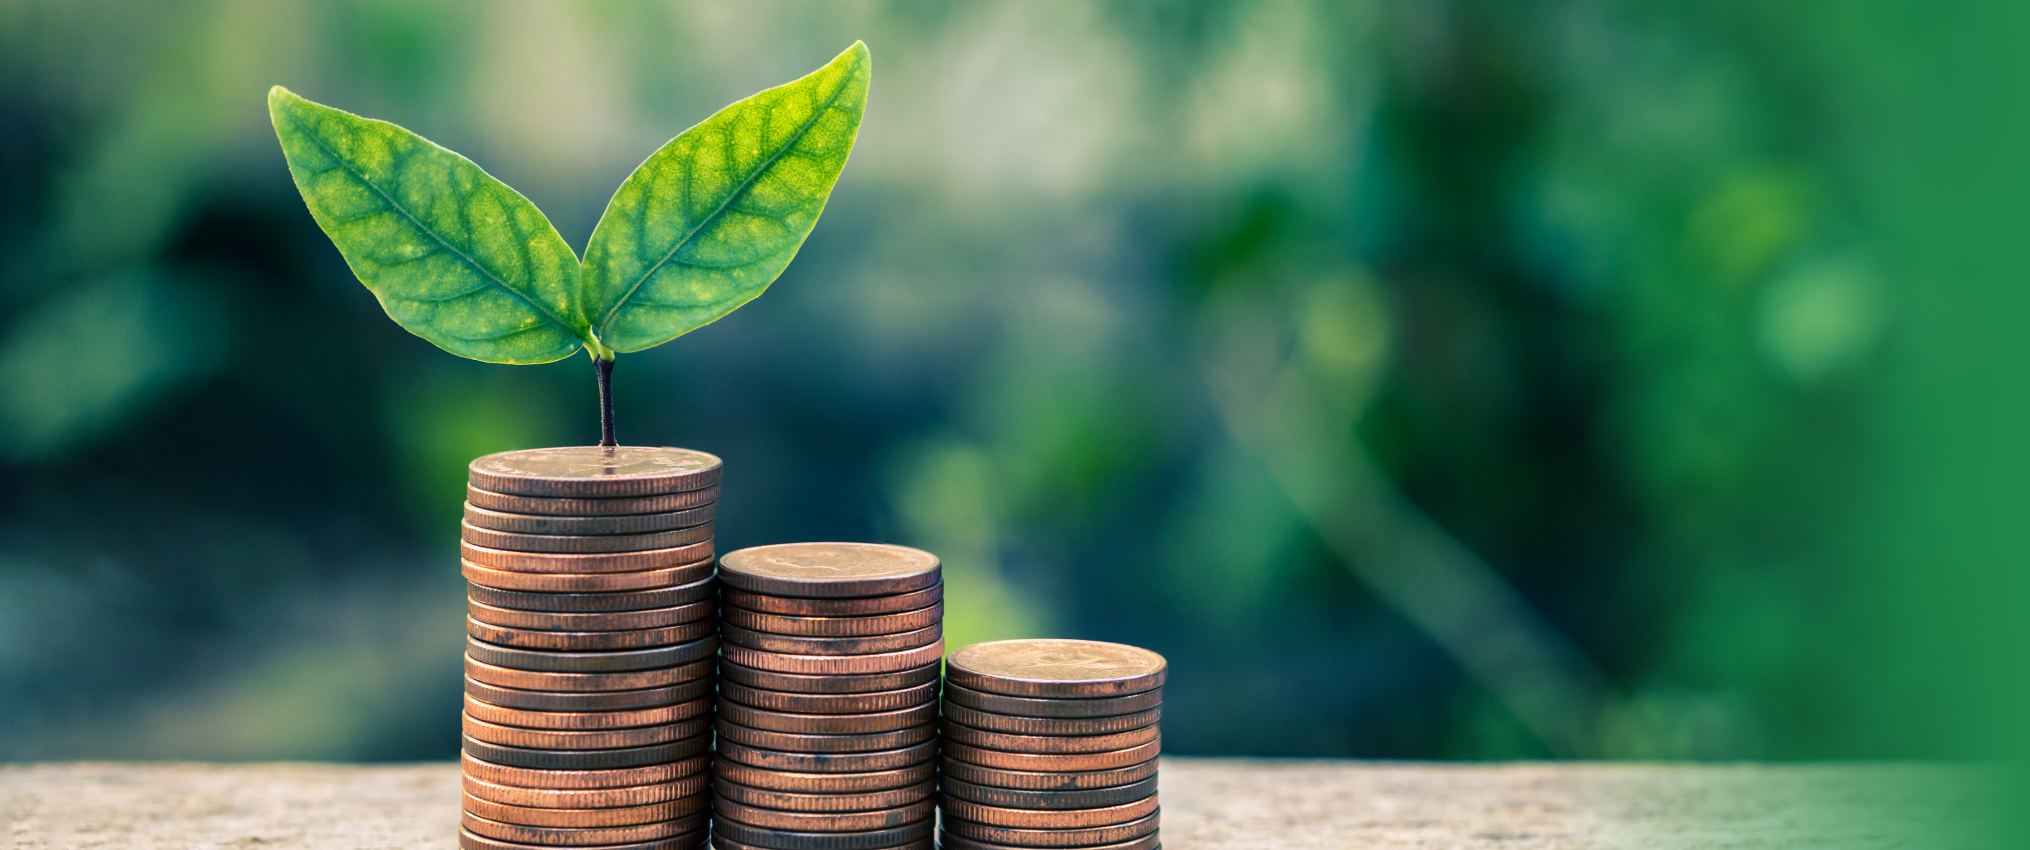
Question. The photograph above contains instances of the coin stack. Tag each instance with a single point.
(589, 652)
(828, 683)
(1051, 743)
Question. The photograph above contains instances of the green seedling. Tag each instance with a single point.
(462, 260)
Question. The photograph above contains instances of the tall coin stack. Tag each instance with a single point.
(1051, 743)
(828, 682)
(589, 653)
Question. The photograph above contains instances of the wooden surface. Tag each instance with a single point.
(1207, 803)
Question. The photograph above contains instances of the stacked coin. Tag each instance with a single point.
(827, 713)
(591, 631)
(1051, 743)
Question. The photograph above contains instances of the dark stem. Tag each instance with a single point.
(605, 370)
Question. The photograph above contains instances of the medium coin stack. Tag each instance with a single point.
(591, 631)
(1051, 743)
(827, 713)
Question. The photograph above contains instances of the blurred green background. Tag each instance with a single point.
(1447, 379)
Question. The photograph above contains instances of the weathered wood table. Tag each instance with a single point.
(1207, 803)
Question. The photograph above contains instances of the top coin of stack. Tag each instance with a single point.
(592, 613)
(827, 712)
(1051, 743)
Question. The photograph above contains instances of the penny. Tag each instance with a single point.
(591, 662)
(1033, 780)
(688, 841)
(879, 760)
(794, 782)
(1093, 798)
(593, 701)
(886, 662)
(794, 743)
(480, 575)
(583, 739)
(583, 562)
(1051, 725)
(1049, 744)
(825, 821)
(552, 759)
(1056, 668)
(596, 603)
(828, 724)
(580, 780)
(1152, 841)
(801, 683)
(597, 472)
(794, 802)
(580, 837)
(862, 645)
(1049, 818)
(545, 506)
(533, 680)
(603, 621)
(849, 607)
(785, 839)
(1066, 762)
(582, 720)
(721, 842)
(591, 641)
(878, 624)
(520, 523)
(573, 544)
(588, 798)
(878, 701)
(599, 817)
(829, 570)
(1054, 837)
(1033, 707)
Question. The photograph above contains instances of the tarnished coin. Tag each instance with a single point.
(518, 523)
(591, 662)
(1049, 744)
(828, 724)
(583, 739)
(879, 760)
(665, 503)
(599, 817)
(1035, 707)
(577, 544)
(1049, 818)
(784, 839)
(878, 701)
(593, 701)
(794, 802)
(591, 641)
(688, 841)
(549, 759)
(829, 570)
(1056, 668)
(1035, 780)
(1152, 841)
(480, 575)
(825, 821)
(583, 836)
(1064, 762)
(790, 742)
(862, 645)
(1054, 837)
(878, 624)
(699, 707)
(604, 621)
(1093, 798)
(581, 563)
(691, 786)
(595, 472)
(955, 713)
(571, 779)
(731, 670)
(533, 680)
(704, 589)
(762, 603)
(834, 665)
(824, 783)
(720, 842)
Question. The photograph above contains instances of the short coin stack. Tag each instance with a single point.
(1051, 743)
(591, 633)
(828, 683)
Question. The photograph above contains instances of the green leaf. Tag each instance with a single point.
(712, 218)
(454, 255)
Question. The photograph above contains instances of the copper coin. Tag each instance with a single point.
(593, 701)
(878, 624)
(862, 645)
(600, 817)
(1033, 780)
(665, 503)
(1092, 798)
(824, 783)
(480, 575)
(583, 739)
(603, 621)
(579, 563)
(1051, 725)
(825, 821)
(582, 780)
(879, 760)
(1049, 744)
(591, 641)
(834, 665)
(1034, 707)
(1063, 762)
(1054, 837)
(1056, 668)
(828, 724)
(1152, 841)
(793, 802)
(526, 719)
(829, 570)
(519, 523)
(802, 683)
(554, 759)
(688, 841)
(850, 607)
(787, 839)
(545, 661)
(721, 842)
(588, 798)
(530, 680)
(583, 544)
(878, 701)
(1049, 818)
(703, 589)
(581, 836)
(794, 743)
(594, 472)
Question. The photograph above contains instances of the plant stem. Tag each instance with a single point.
(604, 368)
